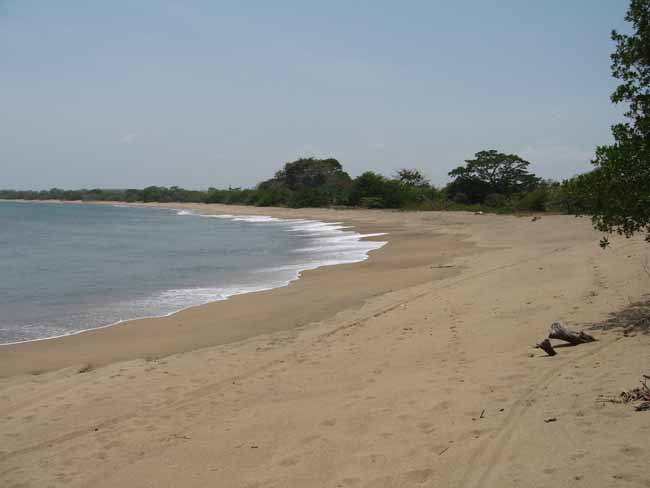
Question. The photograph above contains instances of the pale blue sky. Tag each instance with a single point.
(209, 93)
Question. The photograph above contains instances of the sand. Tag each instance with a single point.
(414, 368)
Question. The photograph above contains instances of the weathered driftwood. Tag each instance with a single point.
(639, 394)
(547, 347)
(562, 332)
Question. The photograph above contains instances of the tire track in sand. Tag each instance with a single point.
(486, 457)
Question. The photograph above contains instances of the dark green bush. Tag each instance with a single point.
(496, 200)
(534, 201)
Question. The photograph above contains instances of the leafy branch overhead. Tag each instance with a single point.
(618, 188)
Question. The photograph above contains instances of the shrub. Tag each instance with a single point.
(496, 200)
(460, 197)
(371, 202)
(534, 200)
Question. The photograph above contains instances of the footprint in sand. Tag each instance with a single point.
(443, 405)
(418, 476)
(290, 461)
(632, 451)
(348, 481)
(632, 478)
(426, 427)
(310, 438)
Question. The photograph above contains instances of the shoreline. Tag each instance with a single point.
(299, 270)
(413, 368)
(81, 347)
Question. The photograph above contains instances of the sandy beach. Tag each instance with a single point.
(413, 368)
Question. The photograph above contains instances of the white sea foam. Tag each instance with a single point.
(256, 219)
(327, 244)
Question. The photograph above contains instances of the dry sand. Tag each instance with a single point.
(366, 375)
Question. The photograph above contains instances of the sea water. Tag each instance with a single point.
(65, 268)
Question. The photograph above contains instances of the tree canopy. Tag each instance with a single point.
(618, 188)
(491, 172)
(412, 177)
(310, 173)
(306, 182)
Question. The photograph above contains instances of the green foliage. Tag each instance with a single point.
(371, 202)
(457, 196)
(310, 173)
(95, 194)
(309, 198)
(304, 183)
(495, 200)
(412, 177)
(491, 172)
(376, 191)
(618, 189)
(270, 197)
(368, 185)
(567, 197)
(534, 201)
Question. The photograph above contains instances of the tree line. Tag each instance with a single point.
(491, 181)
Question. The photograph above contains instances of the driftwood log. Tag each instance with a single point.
(547, 347)
(563, 333)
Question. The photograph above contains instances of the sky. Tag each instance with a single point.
(131, 93)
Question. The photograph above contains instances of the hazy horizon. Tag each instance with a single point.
(116, 95)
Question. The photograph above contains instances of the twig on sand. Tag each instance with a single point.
(638, 394)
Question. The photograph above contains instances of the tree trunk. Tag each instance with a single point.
(563, 333)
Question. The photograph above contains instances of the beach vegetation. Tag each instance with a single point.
(496, 200)
(618, 188)
(491, 172)
(412, 177)
(492, 182)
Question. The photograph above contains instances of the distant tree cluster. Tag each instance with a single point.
(492, 178)
(492, 181)
(307, 182)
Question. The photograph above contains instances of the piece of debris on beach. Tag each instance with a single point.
(547, 347)
(639, 394)
(561, 332)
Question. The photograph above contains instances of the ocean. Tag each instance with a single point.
(65, 268)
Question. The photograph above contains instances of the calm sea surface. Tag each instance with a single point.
(66, 268)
